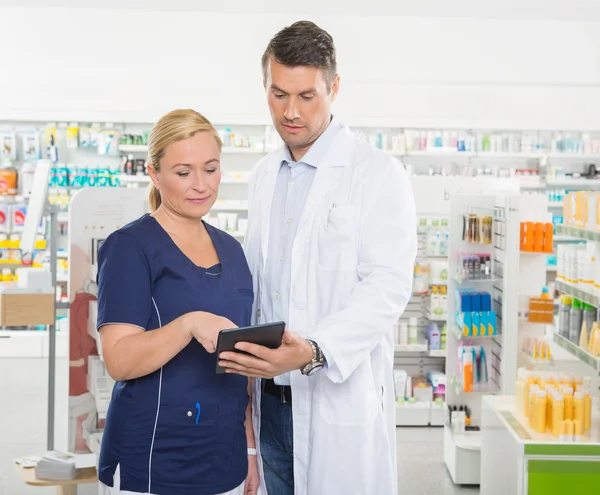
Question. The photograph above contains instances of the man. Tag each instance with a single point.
(331, 244)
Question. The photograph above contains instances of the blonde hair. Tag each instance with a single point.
(172, 127)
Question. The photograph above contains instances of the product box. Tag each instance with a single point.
(422, 389)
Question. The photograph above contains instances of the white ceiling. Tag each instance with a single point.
(559, 10)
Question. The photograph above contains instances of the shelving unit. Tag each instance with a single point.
(462, 453)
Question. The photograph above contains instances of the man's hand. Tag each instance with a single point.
(293, 354)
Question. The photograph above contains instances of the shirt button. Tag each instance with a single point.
(281, 259)
(288, 221)
(189, 414)
(277, 297)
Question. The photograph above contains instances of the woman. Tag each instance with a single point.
(168, 283)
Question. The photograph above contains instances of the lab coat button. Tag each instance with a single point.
(189, 414)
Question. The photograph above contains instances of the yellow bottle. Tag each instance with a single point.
(578, 407)
(583, 336)
(521, 390)
(540, 412)
(587, 412)
(568, 393)
(528, 384)
(532, 406)
(578, 433)
(569, 430)
(549, 406)
(558, 414)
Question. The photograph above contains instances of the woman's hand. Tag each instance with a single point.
(252, 480)
(205, 328)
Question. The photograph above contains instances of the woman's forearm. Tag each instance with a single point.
(139, 353)
(248, 423)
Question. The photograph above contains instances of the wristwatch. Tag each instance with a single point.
(318, 360)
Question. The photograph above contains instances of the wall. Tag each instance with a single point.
(115, 64)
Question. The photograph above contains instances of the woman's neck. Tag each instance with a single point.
(177, 224)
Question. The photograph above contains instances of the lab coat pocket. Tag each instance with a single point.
(338, 238)
(185, 441)
(352, 402)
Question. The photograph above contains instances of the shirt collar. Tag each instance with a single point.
(320, 147)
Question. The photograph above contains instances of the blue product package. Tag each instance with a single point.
(62, 175)
(103, 177)
(486, 301)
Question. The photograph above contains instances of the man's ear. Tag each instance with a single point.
(335, 87)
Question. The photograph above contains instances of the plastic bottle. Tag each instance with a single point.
(413, 327)
(558, 413)
(521, 382)
(579, 408)
(533, 397)
(587, 411)
(564, 315)
(403, 333)
(583, 337)
(575, 318)
(540, 411)
(549, 406)
(528, 385)
(589, 315)
(569, 399)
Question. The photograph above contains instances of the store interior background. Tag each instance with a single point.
(499, 64)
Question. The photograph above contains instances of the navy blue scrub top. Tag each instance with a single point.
(179, 430)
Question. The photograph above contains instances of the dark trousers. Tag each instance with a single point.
(277, 445)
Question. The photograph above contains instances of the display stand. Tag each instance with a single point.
(518, 461)
(94, 214)
(432, 201)
(462, 451)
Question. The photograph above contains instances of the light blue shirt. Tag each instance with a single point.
(291, 191)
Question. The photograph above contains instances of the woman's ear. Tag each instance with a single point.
(153, 174)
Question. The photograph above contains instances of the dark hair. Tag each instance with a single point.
(302, 43)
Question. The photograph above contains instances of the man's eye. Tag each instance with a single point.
(305, 97)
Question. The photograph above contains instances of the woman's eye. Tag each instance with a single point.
(183, 174)
(212, 170)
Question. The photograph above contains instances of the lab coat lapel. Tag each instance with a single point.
(328, 172)
(267, 191)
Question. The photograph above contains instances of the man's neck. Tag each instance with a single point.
(299, 152)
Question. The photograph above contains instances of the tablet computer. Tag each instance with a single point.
(268, 335)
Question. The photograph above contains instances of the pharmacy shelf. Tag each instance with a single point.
(555, 204)
(573, 183)
(566, 238)
(580, 294)
(583, 234)
(551, 268)
(138, 179)
(420, 349)
(578, 352)
(134, 148)
(230, 206)
(458, 334)
(145, 179)
(453, 152)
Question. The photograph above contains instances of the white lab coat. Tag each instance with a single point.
(352, 267)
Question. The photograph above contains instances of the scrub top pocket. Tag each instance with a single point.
(185, 441)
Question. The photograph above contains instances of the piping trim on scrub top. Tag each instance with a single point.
(157, 411)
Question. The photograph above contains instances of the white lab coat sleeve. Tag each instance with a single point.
(387, 250)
